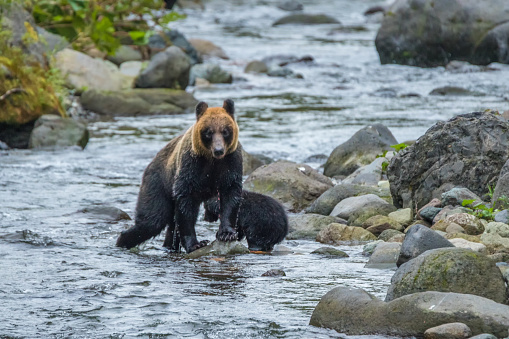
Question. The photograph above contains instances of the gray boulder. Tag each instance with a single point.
(330, 252)
(470, 223)
(124, 54)
(307, 226)
(207, 49)
(55, 131)
(418, 240)
(384, 256)
(305, 19)
(161, 41)
(256, 67)
(388, 234)
(367, 175)
(457, 195)
(274, 273)
(105, 213)
(502, 216)
(51, 43)
(138, 101)
(501, 193)
(499, 228)
(167, 69)
(347, 207)
(360, 150)
(449, 270)
(330, 198)
(212, 73)
(425, 33)
(356, 312)
(455, 152)
(250, 162)
(294, 185)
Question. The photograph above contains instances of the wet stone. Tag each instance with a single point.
(330, 252)
(274, 273)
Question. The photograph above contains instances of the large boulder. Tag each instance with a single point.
(360, 150)
(330, 198)
(467, 150)
(384, 256)
(457, 195)
(162, 40)
(418, 240)
(167, 69)
(356, 312)
(207, 49)
(83, 72)
(55, 131)
(337, 233)
(449, 270)
(350, 206)
(429, 33)
(294, 185)
(307, 226)
(138, 101)
(501, 192)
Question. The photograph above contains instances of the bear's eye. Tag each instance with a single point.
(207, 134)
(226, 133)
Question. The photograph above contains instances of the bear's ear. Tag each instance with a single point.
(229, 107)
(200, 109)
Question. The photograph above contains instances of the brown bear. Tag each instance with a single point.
(204, 162)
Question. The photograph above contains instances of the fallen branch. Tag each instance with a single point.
(12, 91)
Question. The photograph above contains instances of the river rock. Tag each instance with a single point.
(495, 243)
(448, 331)
(167, 69)
(290, 6)
(330, 252)
(356, 312)
(367, 175)
(212, 73)
(124, 54)
(256, 67)
(305, 19)
(336, 233)
(384, 256)
(474, 246)
(454, 152)
(370, 247)
(379, 223)
(425, 33)
(161, 41)
(274, 273)
(131, 68)
(457, 195)
(418, 240)
(282, 60)
(347, 207)
(307, 226)
(330, 198)
(449, 270)
(250, 162)
(281, 72)
(207, 49)
(106, 213)
(500, 198)
(502, 216)
(294, 185)
(360, 150)
(219, 248)
(454, 91)
(454, 228)
(470, 223)
(138, 101)
(51, 43)
(403, 216)
(83, 72)
(484, 336)
(55, 131)
(499, 228)
(388, 234)
(448, 211)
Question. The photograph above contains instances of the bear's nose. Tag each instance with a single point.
(218, 152)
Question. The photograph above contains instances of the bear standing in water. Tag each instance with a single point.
(261, 219)
(204, 162)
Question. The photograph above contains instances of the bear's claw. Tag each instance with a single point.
(201, 244)
(227, 236)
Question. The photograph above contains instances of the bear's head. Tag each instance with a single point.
(215, 133)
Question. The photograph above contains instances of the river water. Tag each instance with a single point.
(62, 276)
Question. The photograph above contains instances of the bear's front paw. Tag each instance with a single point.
(227, 235)
(201, 244)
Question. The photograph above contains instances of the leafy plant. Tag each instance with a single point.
(397, 148)
(102, 23)
(481, 210)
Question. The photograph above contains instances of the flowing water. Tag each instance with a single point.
(62, 276)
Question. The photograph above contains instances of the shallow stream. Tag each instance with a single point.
(62, 276)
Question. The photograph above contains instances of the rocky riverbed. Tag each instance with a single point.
(302, 92)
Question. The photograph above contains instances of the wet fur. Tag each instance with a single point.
(262, 220)
(184, 174)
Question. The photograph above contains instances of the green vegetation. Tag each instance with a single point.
(102, 24)
(483, 211)
(397, 148)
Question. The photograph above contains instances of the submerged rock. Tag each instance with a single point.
(356, 312)
(294, 185)
(219, 248)
(330, 252)
(455, 152)
(305, 19)
(108, 213)
(212, 73)
(360, 150)
(449, 270)
(274, 273)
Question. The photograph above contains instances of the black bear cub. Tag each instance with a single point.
(262, 220)
(204, 162)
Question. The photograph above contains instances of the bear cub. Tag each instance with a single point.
(204, 162)
(261, 219)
